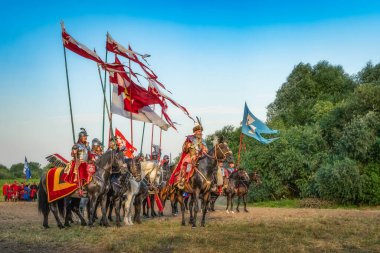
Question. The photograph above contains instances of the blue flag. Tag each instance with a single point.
(253, 127)
(27, 172)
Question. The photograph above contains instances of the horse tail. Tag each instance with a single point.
(43, 205)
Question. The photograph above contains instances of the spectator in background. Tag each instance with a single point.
(26, 193)
(21, 191)
(9, 192)
(15, 191)
(33, 191)
(5, 191)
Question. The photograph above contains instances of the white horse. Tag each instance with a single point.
(149, 169)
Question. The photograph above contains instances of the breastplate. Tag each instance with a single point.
(83, 153)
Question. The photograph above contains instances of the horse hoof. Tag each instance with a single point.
(46, 226)
(245, 210)
(227, 211)
(193, 227)
(60, 226)
(183, 223)
(110, 219)
(232, 212)
(118, 225)
(67, 225)
(237, 210)
(83, 224)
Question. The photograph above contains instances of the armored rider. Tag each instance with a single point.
(193, 148)
(78, 171)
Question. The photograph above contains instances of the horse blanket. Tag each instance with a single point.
(56, 186)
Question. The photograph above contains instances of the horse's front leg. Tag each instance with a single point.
(104, 220)
(190, 208)
(245, 203)
(152, 212)
(206, 198)
(232, 203)
(196, 207)
(117, 203)
(238, 203)
(228, 196)
(180, 200)
(77, 211)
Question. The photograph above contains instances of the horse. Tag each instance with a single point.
(200, 183)
(120, 184)
(95, 189)
(243, 187)
(153, 178)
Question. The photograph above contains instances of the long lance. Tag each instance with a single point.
(130, 94)
(142, 138)
(68, 91)
(151, 140)
(105, 99)
(239, 153)
(159, 154)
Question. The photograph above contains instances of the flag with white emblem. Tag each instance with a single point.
(253, 127)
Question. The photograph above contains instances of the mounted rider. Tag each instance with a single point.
(96, 148)
(81, 167)
(193, 148)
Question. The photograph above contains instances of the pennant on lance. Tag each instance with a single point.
(253, 127)
(121, 141)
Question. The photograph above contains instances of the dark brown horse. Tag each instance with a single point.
(95, 190)
(200, 183)
(237, 185)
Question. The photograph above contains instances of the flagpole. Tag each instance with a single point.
(104, 97)
(159, 155)
(239, 153)
(151, 140)
(104, 101)
(142, 138)
(130, 94)
(68, 91)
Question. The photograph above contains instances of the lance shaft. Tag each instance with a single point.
(105, 99)
(68, 91)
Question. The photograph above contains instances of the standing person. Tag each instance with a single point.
(26, 193)
(15, 191)
(10, 192)
(33, 191)
(5, 191)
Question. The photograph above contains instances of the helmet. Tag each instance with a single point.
(166, 157)
(82, 132)
(96, 142)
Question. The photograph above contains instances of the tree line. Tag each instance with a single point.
(329, 144)
(17, 170)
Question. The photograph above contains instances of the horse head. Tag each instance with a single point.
(118, 159)
(255, 177)
(221, 150)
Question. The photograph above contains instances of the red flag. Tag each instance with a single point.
(121, 141)
(116, 48)
(78, 48)
(135, 96)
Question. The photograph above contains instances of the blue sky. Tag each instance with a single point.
(213, 55)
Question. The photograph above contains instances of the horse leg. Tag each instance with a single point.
(76, 210)
(232, 204)
(117, 211)
(145, 206)
(245, 203)
(68, 215)
(128, 207)
(180, 200)
(205, 202)
(228, 196)
(137, 205)
(92, 210)
(196, 207)
(111, 203)
(54, 210)
(238, 203)
(104, 211)
(190, 208)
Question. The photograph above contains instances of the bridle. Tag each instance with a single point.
(215, 156)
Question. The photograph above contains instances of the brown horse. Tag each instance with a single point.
(200, 183)
(242, 189)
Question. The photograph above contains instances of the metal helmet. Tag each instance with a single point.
(166, 157)
(95, 142)
(82, 132)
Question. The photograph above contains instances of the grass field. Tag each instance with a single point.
(260, 230)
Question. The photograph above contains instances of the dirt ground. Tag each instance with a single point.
(259, 230)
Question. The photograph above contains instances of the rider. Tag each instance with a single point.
(96, 148)
(78, 171)
(193, 148)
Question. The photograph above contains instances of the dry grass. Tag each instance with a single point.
(261, 230)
